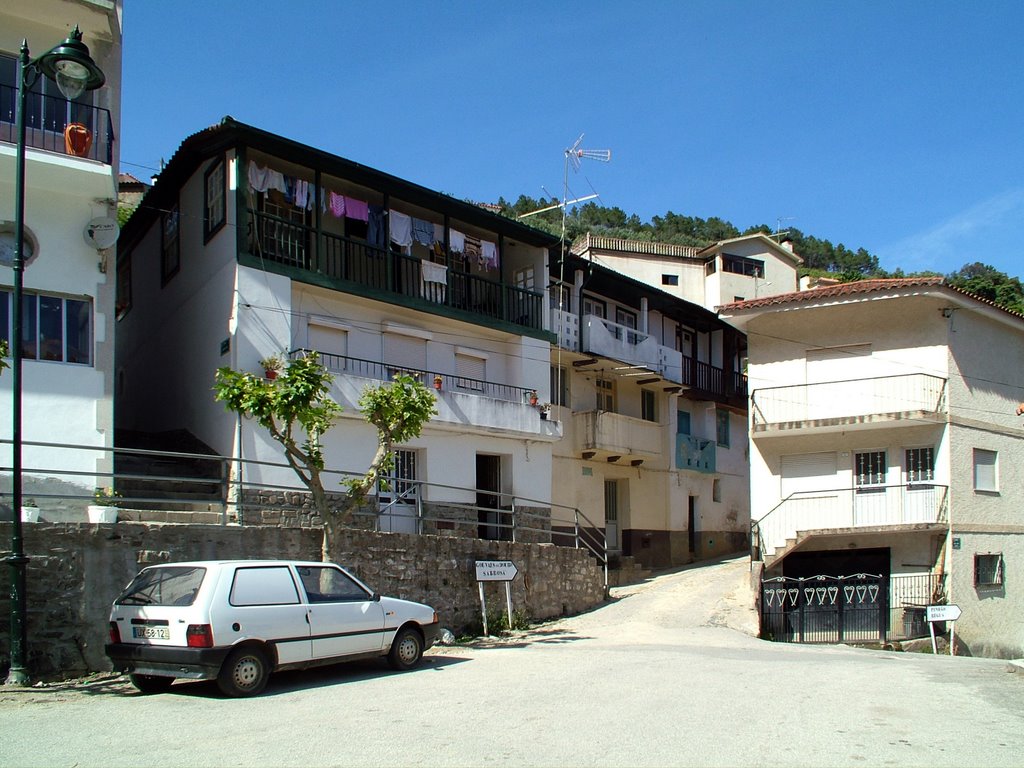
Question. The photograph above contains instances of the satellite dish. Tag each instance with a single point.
(101, 232)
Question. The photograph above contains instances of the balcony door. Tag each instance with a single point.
(399, 495)
(494, 523)
(870, 497)
(613, 536)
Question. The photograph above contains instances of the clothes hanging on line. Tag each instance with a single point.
(472, 249)
(336, 203)
(401, 228)
(489, 254)
(357, 209)
(264, 179)
(456, 240)
(423, 232)
(376, 226)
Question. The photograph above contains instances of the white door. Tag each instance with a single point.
(611, 515)
(399, 496)
(343, 618)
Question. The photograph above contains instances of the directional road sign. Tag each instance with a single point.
(495, 570)
(942, 613)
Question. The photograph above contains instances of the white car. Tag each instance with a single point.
(237, 621)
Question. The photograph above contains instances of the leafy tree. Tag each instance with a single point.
(296, 410)
(989, 283)
(5, 351)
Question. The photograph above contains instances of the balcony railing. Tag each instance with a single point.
(875, 506)
(613, 434)
(353, 261)
(852, 401)
(46, 118)
(371, 369)
(695, 453)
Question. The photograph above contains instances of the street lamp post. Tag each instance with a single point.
(70, 66)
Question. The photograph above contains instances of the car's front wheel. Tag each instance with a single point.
(244, 673)
(406, 650)
(151, 683)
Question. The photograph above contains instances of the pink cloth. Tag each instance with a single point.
(357, 209)
(336, 203)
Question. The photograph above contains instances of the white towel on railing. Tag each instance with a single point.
(434, 273)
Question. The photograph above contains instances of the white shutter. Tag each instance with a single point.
(808, 472)
(330, 341)
(405, 353)
(470, 371)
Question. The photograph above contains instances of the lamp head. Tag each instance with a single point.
(71, 67)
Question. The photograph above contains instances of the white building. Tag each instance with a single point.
(68, 350)
(650, 393)
(884, 442)
(251, 245)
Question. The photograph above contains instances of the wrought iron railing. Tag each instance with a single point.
(373, 369)
(341, 258)
(46, 119)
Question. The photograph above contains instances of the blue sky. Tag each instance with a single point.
(892, 126)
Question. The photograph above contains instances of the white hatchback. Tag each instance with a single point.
(237, 621)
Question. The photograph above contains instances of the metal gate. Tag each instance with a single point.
(825, 609)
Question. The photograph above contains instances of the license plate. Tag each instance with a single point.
(152, 633)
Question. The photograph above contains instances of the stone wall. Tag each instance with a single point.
(77, 569)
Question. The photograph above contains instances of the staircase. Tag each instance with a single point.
(624, 569)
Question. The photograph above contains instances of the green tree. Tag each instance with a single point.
(295, 408)
(989, 283)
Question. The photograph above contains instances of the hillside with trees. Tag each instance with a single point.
(821, 257)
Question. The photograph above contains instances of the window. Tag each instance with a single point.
(920, 466)
(123, 302)
(595, 307)
(716, 490)
(711, 267)
(741, 265)
(647, 405)
(722, 427)
(670, 279)
(605, 395)
(869, 469)
(625, 317)
(263, 586)
(559, 297)
(329, 585)
(988, 569)
(170, 244)
(986, 470)
(214, 214)
(52, 328)
(559, 385)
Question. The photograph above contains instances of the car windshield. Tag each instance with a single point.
(170, 585)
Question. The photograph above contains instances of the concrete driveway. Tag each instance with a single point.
(663, 675)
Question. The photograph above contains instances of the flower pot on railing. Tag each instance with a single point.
(77, 140)
(437, 383)
(30, 514)
(101, 514)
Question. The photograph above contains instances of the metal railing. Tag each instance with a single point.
(341, 258)
(847, 508)
(46, 119)
(157, 485)
(854, 398)
(372, 369)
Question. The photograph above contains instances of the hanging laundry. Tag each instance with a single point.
(489, 254)
(375, 226)
(356, 209)
(456, 240)
(401, 228)
(439, 233)
(275, 180)
(301, 193)
(423, 232)
(336, 203)
(257, 177)
(472, 249)
(439, 252)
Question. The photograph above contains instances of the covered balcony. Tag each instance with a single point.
(617, 439)
(354, 266)
(809, 514)
(854, 403)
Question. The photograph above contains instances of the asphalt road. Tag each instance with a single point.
(663, 675)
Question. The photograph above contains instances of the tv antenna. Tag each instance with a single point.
(778, 225)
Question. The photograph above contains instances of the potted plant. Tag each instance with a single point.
(532, 397)
(437, 382)
(29, 511)
(105, 508)
(272, 365)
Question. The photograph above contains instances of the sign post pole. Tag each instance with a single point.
(483, 608)
(496, 570)
(508, 603)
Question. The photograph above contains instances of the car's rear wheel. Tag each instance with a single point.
(244, 673)
(151, 683)
(406, 650)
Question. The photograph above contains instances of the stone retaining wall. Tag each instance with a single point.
(77, 569)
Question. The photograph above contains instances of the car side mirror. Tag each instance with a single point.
(376, 597)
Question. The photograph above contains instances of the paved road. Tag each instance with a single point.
(664, 675)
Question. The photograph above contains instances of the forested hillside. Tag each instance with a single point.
(821, 256)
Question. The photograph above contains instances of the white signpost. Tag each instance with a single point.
(495, 570)
(948, 613)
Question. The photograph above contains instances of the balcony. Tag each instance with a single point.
(468, 403)
(46, 118)
(907, 507)
(840, 405)
(612, 437)
(695, 453)
(356, 267)
(619, 342)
